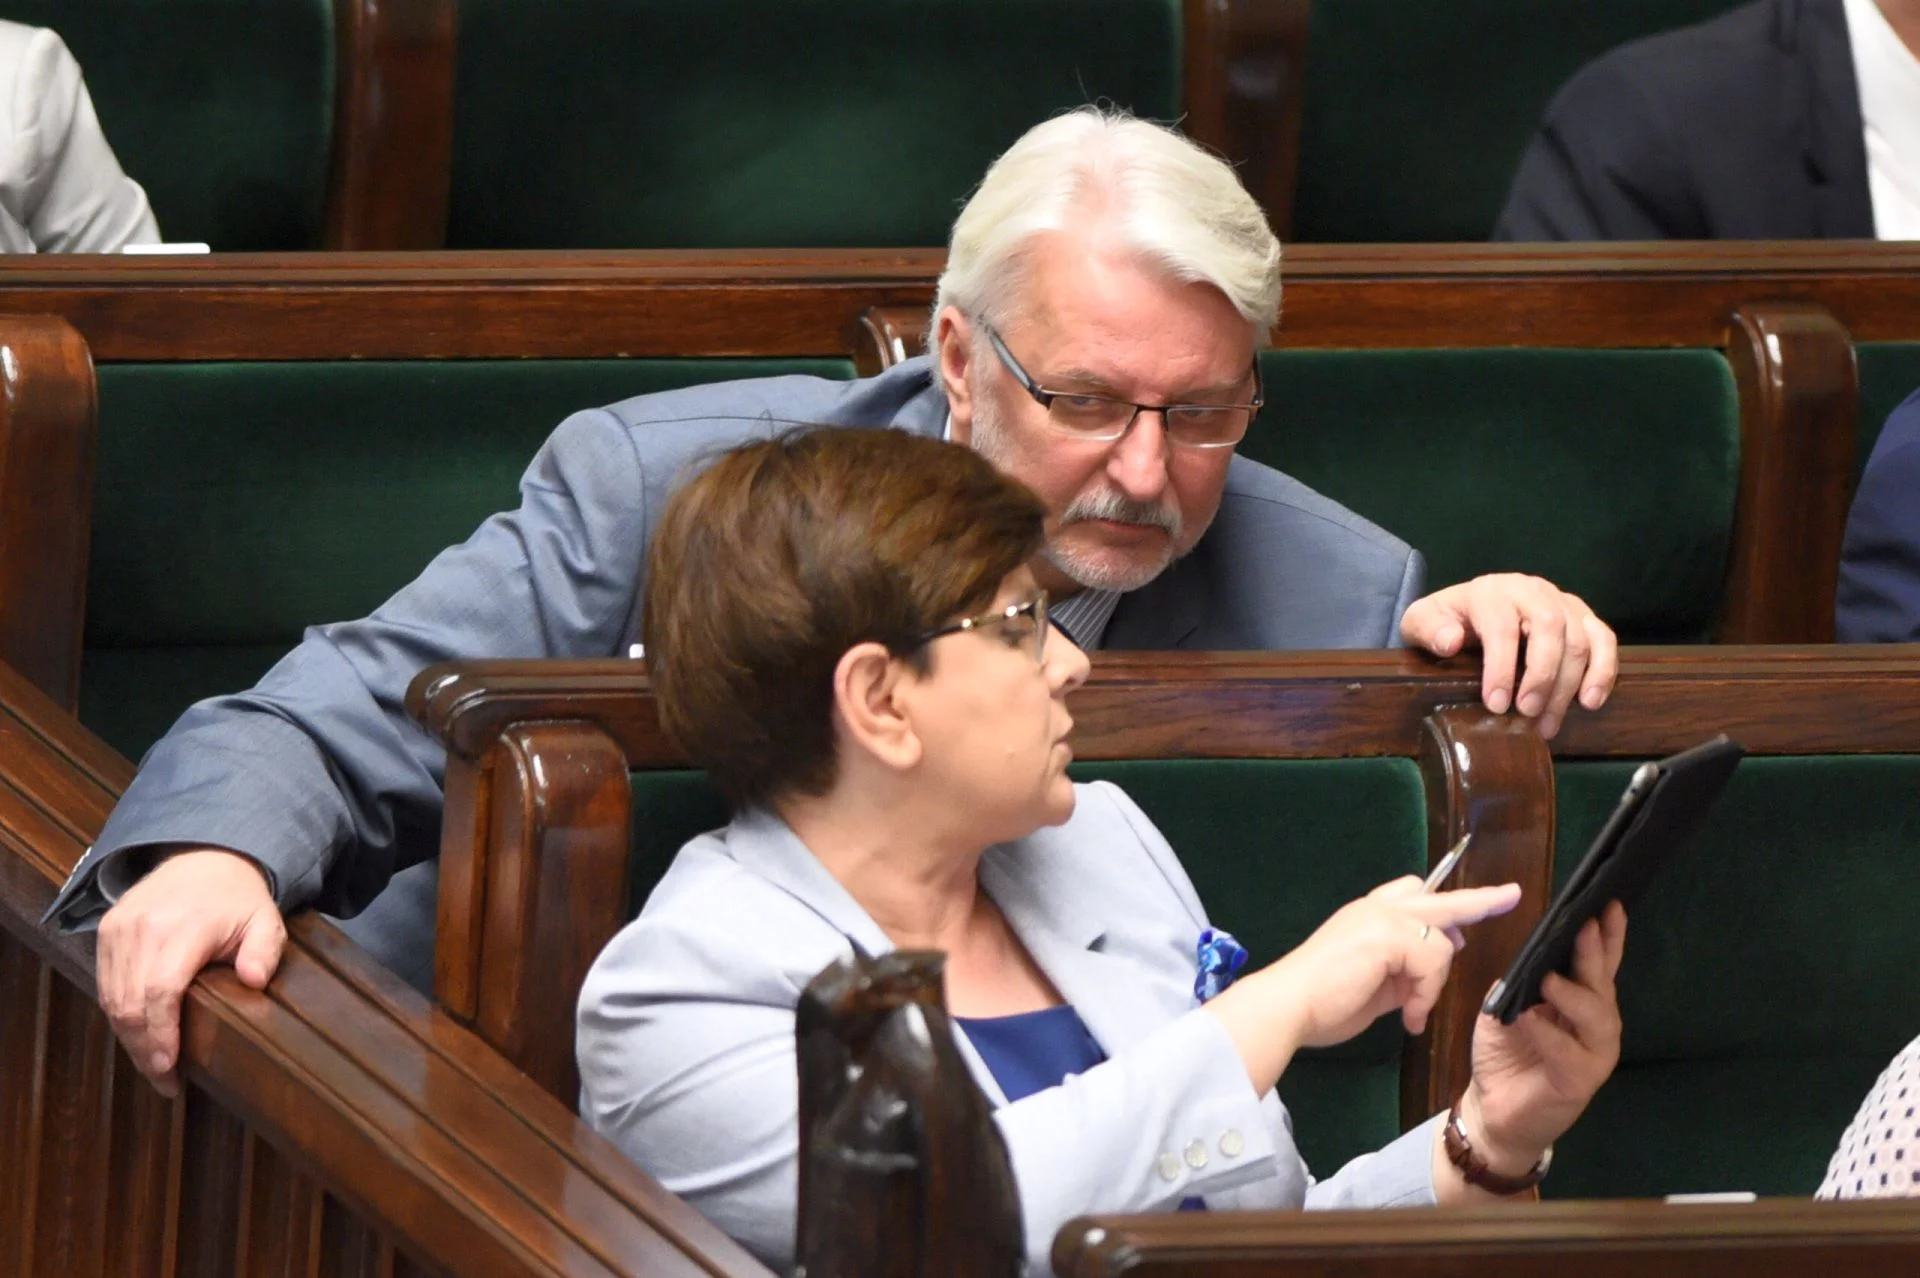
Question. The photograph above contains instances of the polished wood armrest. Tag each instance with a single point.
(1774, 1238)
(47, 438)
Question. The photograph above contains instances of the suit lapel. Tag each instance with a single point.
(1163, 614)
(764, 844)
(1119, 1003)
(1836, 154)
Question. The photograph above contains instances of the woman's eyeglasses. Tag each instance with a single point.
(1026, 622)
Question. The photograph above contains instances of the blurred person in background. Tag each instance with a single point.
(61, 189)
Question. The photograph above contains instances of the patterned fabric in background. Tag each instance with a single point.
(1879, 1156)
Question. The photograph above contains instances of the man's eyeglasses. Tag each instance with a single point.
(1021, 623)
(1098, 418)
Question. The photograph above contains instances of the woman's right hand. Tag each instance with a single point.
(1390, 949)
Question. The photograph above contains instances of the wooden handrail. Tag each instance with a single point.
(1775, 1238)
(334, 1120)
(504, 305)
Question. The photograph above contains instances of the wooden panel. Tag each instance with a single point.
(46, 499)
(1490, 774)
(76, 1110)
(23, 992)
(141, 1184)
(393, 124)
(1777, 1238)
(1245, 74)
(804, 303)
(1799, 411)
(214, 1189)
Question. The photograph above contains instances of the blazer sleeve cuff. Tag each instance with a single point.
(1196, 1127)
(1399, 1174)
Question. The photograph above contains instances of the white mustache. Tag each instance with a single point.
(1109, 505)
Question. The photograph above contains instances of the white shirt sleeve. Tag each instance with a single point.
(61, 189)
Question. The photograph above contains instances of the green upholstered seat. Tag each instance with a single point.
(690, 123)
(1610, 473)
(221, 109)
(1416, 114)
(1889, 372)
(1768, 978)
(1273, 848)
(237, 504)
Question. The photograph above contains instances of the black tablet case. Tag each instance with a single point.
(1659, 810)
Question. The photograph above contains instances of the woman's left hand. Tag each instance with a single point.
(1533, 1078)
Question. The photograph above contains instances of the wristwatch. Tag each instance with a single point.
(1461, 1153)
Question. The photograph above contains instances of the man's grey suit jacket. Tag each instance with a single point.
(318, 774)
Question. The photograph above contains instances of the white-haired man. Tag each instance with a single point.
(1106, 291)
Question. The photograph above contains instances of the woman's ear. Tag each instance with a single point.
(867, 706)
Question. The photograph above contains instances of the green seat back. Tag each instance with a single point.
(1416, 115)
(1889, 372)
(698, 123)
(1611, 473)
(1273, 848)
(1768, 978)
(221, 109)
(237, 504)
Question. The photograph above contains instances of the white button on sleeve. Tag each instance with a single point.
(1168, 1167)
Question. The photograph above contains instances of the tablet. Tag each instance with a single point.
(1665, 802)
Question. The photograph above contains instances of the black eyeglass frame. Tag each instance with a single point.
(1044, 397)
(1035, 607)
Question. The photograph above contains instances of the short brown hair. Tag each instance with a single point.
(783, 554)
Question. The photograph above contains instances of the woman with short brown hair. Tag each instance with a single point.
(842, 628)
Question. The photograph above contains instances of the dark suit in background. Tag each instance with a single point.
(1879, 596)
(1746, 127)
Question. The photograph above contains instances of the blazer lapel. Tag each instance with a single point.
(1836, 154)
(1165, 613)
(766, 845)
(1119, 1003)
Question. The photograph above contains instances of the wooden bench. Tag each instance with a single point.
(335, 1126)
(480, 354)
(549, 843)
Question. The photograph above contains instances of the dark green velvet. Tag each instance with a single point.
(236, 504)
(609, 123)
(1889, 372)
(1273, 848)
(1768, 977)
(221, 109)
(1417, 114)
(1610, 473)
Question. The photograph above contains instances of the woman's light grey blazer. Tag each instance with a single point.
(686, 1035)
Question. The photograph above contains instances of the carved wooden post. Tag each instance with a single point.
(46, 499)
(1490, 774)
(1799, 410)
(902, 1171)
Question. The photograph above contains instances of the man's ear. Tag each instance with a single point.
(867, 706)
(952, 354)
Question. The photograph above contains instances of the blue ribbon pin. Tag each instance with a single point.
(1220, 959)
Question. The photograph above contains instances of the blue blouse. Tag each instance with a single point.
(1032, 1051)
(1029, 1052)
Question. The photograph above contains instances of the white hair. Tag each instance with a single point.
(1179, 207)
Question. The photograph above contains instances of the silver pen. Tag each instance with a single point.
(1447, 862)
